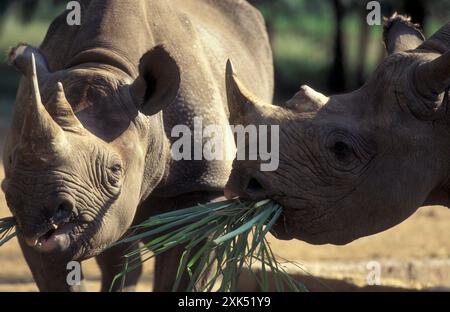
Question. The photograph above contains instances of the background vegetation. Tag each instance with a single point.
(326, 44)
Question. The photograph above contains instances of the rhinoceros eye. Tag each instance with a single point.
(116, 169)
(342, 151)
(341, 147)
(115, 173)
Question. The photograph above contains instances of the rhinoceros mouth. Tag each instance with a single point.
(58, 237)
(306, 225)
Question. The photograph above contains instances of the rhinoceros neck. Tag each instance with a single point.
(104, 57)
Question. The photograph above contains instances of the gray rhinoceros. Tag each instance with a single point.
(355, 164)
(89, 153)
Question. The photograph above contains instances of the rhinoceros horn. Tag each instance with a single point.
(307, 100)
(39, 132)
(433, 78)
(241, 100)
(58, 106)
(439, 42)
(61, 111)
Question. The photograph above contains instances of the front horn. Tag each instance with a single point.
(241, 101)
(39, 130)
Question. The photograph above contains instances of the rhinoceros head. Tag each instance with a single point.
(355, 164)
(74, 181)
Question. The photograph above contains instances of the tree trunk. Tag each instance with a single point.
(417, 10)
(363, 47)
(336, 79)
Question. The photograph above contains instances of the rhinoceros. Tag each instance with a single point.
(355, 164)
(89, 149)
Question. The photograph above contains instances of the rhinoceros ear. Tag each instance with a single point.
(401, 35)
(241, 101)
(158, 82)
(20, 58)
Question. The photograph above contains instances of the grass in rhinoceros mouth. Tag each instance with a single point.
(7, 230)
(220, 239)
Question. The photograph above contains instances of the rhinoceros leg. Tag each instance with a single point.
(49, 272)
(111, 263)
(166, 267)
(166, 264)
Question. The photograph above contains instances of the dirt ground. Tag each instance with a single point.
(414, 255)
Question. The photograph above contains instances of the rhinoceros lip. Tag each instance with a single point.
(57, 236)
(285, 230)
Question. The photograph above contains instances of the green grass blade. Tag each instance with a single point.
(220, 240)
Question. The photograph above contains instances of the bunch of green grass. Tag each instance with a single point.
(7, 230)
(221, 239)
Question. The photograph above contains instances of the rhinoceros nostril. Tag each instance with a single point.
(64, 210)
(254, 186)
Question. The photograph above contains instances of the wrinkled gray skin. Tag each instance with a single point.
(89, 156)
(355, 164)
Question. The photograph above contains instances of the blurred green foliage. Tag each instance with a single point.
(20, 21)
(303, 33)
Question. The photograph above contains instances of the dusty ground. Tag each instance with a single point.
(414, 255)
